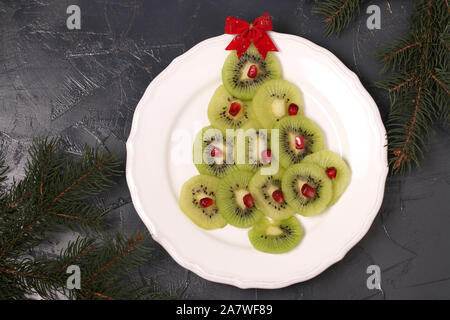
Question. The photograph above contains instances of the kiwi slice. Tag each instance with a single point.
(213, 153)
(276, 236)
(253, 123)
(306, 188)
(235, 202)
(335, 168)
(276, 99)
(298, 137)
(252, 149)
(198, 202)
(228, 112)
(242, 77)
(269, 197)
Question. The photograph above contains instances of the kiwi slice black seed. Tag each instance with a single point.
(235, 72)
(213, 153)
(276, 236)
(298, 137)
(198, 202)
(269, 197)
(306, 188)
(235, 201)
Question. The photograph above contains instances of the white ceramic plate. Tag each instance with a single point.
(159, 161)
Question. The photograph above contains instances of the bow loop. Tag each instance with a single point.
(263, 22)
(235, 26)
(248, 33)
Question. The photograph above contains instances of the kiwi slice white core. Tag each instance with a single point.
(300, 184)
(258, 145)
(273, 231)
(218, 159)
(244, 70)
(240, 194)
(199, 196)
(278, 108)
(292, 136)
(271, 189)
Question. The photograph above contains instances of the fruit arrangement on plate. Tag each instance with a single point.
(265, 114)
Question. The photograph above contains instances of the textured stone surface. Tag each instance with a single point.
(84, 85)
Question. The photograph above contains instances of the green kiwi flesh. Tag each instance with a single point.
(207, 139)
(192, 192)
(276, 236)
(328, 159)
(306, 173)
(219, 111)
(292, 127)
(230, 200)
(272, 101)
(263, 187)
(234, 72)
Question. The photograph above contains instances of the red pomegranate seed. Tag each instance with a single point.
(293, 109)
(277, 195)
(234, 109)
(308, 191)
(216, 152)
(206, 202)
(248, 200)
(266, 156)
(299, 142)
(252, 71)
(331, 172)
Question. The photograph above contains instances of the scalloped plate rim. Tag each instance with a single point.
(242, 283)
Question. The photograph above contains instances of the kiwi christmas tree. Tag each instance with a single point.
(233, 189)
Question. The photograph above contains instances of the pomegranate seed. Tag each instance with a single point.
(234, 109)
(216, 152)
(206, 202)
(293, 109)
(266, 156)
(331, 172)
(308, 191)
(277, 195)
(299, 142)
(252, 71)
(248, 200)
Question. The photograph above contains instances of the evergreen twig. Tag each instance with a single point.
(337, 14)
(418, 84)
(58, 192)
(419, 81)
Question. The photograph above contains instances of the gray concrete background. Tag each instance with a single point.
(84, 86)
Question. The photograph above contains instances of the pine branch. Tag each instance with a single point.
(26, 277)
(402, 84)
(337, 14)
(12, 204)
(74, 251)
(401, 55)
(132, 245)
(418, 84)
(439, 82)
(59, 192)
(79, 180)
(102, 277)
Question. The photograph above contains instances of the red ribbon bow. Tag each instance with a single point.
(250, 32)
